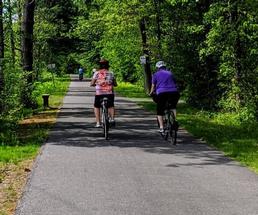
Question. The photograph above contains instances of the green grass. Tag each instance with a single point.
(23, 142)
(225, 132)
(56, 89)
(15, 154)
(220, 130)
(130, 90)
(19, 142)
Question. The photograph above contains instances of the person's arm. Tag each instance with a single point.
(114, 82)
(152, 89)
(153, 84)
(93, 82)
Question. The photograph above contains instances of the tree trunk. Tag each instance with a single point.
(11, 31)
(147, 69)
(27, 50)
(238, 51)
(27, 35)
(158, 28)
(1, 56)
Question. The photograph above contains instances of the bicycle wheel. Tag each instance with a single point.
(172, 128)
(105, 123)
(166, 127)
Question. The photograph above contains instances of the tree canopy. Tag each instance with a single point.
(210, 45)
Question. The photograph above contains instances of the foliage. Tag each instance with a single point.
(233, 38)
(54, 21)
(11, 94)
(49, 84)
(225, 131)
(211, 47)
(19, 141)
(110, 31)
(130, 90)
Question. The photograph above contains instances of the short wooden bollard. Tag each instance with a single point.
(45, 100)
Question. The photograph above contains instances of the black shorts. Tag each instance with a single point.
(162, 98)
(98, 100)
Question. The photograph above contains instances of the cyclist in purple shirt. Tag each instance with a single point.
(164, 85)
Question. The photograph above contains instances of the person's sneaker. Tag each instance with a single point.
(161, 130)
(97, 125)
(112, 122)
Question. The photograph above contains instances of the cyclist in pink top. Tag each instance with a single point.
(104, 81)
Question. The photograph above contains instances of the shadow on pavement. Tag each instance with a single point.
(134, 128)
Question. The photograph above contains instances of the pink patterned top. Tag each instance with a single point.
(104, 82)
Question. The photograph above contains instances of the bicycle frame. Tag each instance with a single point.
(170, 129)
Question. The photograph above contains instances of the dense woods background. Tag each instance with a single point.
(210, 45)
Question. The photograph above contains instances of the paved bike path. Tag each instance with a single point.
(134, 173)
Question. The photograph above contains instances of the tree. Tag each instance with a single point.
(147, 69)
(61, 16)
(233, 26)
(10, 27)
(1, 57)
(27, 50)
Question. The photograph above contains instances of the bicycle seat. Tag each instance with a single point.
(104, 99)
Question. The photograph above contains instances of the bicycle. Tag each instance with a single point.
(170, 125)
(80, 77)
(105, 117)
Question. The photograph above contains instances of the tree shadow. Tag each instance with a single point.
(135, 128)
(138, 130)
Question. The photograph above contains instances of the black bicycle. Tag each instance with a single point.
(170, 125)
(105, 117)
(80, 77)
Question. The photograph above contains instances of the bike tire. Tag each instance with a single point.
(172, 129)
(105, 124)
(166, 129)
(173, 136)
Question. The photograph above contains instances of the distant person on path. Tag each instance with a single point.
(165, 88)
(81, 72)
(104, 81)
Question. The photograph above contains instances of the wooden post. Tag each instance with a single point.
(45, 100)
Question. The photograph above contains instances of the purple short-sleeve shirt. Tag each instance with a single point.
(164, 81)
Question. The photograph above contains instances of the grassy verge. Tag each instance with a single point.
(20, 142)
(220, 130)
(223, 131)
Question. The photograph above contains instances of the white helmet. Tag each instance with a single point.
(160, 64)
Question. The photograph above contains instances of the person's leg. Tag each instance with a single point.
(97, 115)
(111, 112)
(160, 110)
(174, 100)
(161, 124)
(174, 111)
(97, 110)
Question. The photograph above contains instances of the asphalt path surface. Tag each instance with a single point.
(135, 172)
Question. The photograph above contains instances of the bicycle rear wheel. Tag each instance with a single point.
(166, 129)
(172, 128)
(173, 136)
(105, 123)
